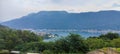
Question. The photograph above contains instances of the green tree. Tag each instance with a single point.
(95, 43)
(2, 44)
(109, 36)
(73, 43)
(116, 43)
(12, 38)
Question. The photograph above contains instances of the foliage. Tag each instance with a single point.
(47, 52)
(4, 52)
(27, 41)
(95, 43)
(116, 42)
(109, 36)
(73, 43)
(106, 40)
(9, 38)
(118, 49)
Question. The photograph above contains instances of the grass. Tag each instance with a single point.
(116, 49)
(4, 52)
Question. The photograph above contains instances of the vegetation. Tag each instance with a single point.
(26, 41)
(14, 39)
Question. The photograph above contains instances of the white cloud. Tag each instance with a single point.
(11, 9)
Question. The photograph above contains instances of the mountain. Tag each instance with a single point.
(3, 27)
(0, 21)
(64, 20)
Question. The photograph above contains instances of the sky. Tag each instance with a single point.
(12, 9)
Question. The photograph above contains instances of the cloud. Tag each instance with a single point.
(12, 9)
(116, 5)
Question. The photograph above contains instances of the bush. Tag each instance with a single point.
(116, 43)
(47, 52)
(95, 43)
(4, 52)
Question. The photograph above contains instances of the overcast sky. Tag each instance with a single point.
(11, 9)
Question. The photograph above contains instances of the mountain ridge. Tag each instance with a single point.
(65, 20)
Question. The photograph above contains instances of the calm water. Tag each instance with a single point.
(83, 33)
(64, 34)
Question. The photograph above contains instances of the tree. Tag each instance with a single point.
(109, 36)
(116, 43)
(11, 38)
(95, 43)
(73, 43)
(2, 44)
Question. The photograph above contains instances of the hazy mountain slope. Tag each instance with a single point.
(64, 20)
(1, 26)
